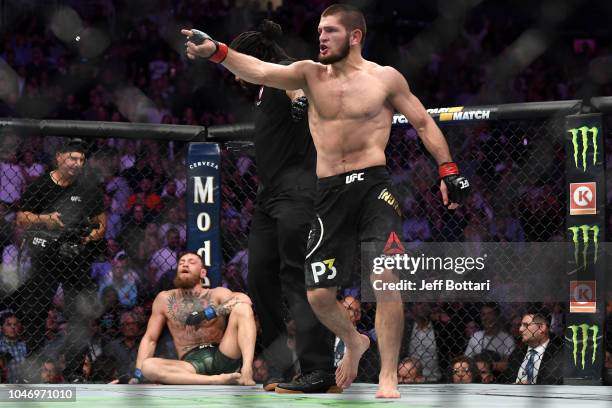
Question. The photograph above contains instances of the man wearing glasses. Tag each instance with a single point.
(539, 360)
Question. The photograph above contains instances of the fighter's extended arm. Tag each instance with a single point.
(147, 346)
(405, 102)
(248, 68)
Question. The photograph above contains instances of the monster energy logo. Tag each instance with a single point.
(584, 329)
(584, 133)
(577, 236)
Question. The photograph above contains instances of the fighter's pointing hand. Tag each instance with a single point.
(201, 45)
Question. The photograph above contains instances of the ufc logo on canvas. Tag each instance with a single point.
(354, 177)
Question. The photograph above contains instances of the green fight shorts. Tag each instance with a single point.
(208, 360)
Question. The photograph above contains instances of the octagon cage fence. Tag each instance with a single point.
(513, 156)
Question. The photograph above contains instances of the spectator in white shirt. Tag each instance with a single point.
(12, 180)
(491, 338)
(166, 259)
(172, 221)
(31, 169)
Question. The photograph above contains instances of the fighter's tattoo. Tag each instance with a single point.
(182, 303)
(225, 308)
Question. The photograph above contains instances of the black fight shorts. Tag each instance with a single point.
(352, 208)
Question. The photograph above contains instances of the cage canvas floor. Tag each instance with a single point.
(359, 395)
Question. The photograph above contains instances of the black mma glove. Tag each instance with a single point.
(197, 317)
(221, 49)
(457, 185)
(299, 108)
(137, 374)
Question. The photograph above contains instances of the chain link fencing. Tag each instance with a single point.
(517, 172)
(81, 309)
(80, 305)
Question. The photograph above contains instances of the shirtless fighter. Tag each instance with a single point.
(352, 102)
(212, 330)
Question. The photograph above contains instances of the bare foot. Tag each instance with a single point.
(387, 388)
(246, 381)
(221, 379)
(347, 369)
(246, 377)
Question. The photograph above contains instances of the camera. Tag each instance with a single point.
(66, 242)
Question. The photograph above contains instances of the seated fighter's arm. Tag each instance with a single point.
(247, 68)
(228, 299)
(148, 343)
(224, 301)
(405, 102)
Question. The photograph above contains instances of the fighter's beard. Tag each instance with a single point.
(186, 283)
(333, 58)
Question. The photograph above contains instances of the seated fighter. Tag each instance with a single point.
(213, 330)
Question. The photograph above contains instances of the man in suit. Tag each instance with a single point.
(538, 361)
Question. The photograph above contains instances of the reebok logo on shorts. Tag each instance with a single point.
(320, 269)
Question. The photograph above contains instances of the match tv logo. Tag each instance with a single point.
(580, 143)
(580, 335)
(583, 198)
(581, 235)
(583, 296)
(320, 268)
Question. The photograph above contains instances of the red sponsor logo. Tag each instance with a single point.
(583, 297)
(583, 198)
(394, 245)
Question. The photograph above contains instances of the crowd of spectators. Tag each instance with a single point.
(133, 72)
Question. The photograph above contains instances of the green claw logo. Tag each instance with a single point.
(584, 237)
(584, 133)
(584, 329)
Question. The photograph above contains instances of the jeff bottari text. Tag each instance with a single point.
(434, 285)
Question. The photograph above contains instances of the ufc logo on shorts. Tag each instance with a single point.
(464, 184)
(320, 269)
(354, 177)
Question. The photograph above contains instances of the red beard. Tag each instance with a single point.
(186, 282)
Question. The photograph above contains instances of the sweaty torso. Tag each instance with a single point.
(178, 305)
(350, 118)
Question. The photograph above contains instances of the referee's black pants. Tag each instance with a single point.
(277, 250)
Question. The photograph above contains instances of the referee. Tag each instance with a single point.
(284, 209)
